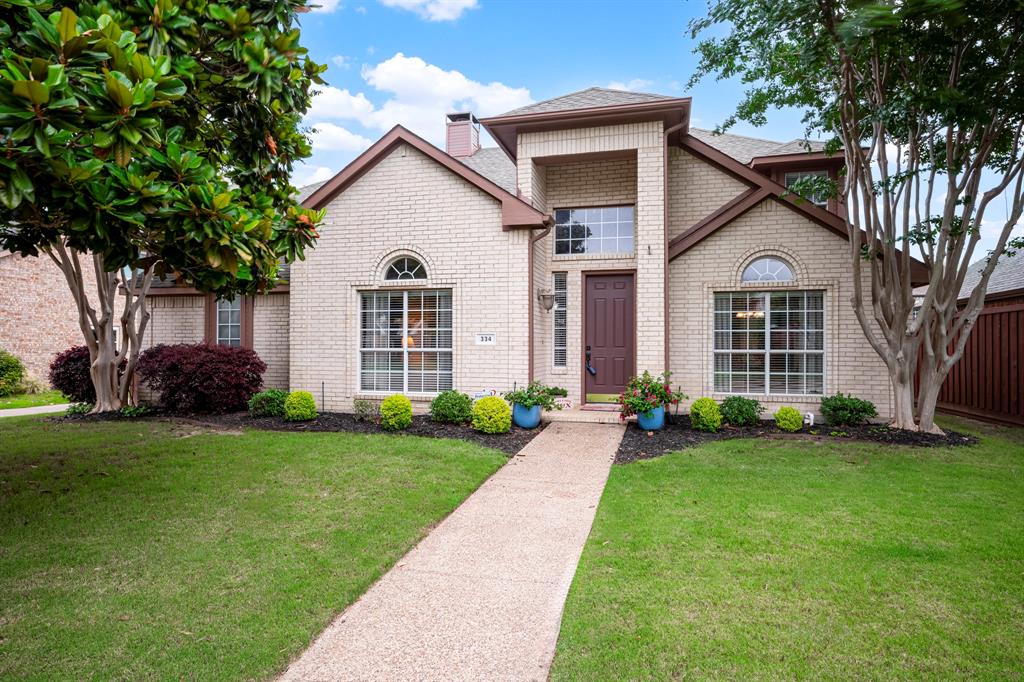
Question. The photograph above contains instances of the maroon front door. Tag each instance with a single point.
(608, 339)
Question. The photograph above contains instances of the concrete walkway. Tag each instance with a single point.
(480, 598)
(39, 409)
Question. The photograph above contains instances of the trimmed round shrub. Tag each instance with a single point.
(740, 411)
(11, 373)
(395, 412)
(789, 419)
(451, 407)
(269, 403)
(69, 374)
(705, 415)
(492, 415)
(845, 410)
(299, 406)
(202, 378)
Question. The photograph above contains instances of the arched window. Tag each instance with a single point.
(405, 267)
(768, 269)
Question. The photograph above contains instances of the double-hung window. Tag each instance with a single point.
(406, 341)
(770, 342)
(560, 340)
(229, 321)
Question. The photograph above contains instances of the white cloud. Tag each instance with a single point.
(308, 175)
(360, 10)
(329, 137)
(341, 61)
(434, 10)
(420, 94)
(326, 6)
(635, 84)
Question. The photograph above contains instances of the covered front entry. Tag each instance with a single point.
(609, 337)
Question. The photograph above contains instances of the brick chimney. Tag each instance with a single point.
(463, 135)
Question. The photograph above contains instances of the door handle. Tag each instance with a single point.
(590, 368)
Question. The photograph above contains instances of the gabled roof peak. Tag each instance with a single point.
(588, 99)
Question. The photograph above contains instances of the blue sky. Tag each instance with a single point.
(413, 61)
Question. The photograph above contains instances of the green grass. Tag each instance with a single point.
(143, 550)
(780, 559)
(32, 400)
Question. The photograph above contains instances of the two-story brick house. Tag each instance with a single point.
(604, 236)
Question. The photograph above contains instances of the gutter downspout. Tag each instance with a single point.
(534, 238)
(668, 132)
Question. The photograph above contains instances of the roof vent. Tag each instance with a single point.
(463, 135)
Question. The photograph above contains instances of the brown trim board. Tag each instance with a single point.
(515, 213)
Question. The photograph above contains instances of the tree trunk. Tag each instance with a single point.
(903, 400)
(932, 376)
(112, 355)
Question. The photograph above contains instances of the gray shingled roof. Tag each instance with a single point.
(1008, 275)
(494, 164)
(586, 99)
(304, 192)
(744, 148)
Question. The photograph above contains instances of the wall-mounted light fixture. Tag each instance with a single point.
(546, 298)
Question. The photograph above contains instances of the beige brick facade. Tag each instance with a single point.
(408, 204)
(38, 316)
(822, 263)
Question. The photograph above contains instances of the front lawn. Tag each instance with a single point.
(157, 550)
(773, 559)
(32, 399)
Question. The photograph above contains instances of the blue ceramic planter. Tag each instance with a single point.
(652, 420)
(526, 417)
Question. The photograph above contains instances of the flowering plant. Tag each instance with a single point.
(646, 392)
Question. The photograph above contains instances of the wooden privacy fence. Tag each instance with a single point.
(988, 381)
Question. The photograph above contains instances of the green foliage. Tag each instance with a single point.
(845, 410)
(395, 413)
(492, 415)
(134, 411)
(366, 410)
(268, 403)
(645, 392)
(12, 372)
(535, 394)
(740, 411)
(78, 409)
(299, 406)
(705, 415)
(789, 419)
(451, 407)
(157, 134)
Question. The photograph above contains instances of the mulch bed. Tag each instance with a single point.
(637, 444)
(511, 442)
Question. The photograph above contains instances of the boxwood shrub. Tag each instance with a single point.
(705, 415)
(740, 411)
(492, 415)
(11, 373)
(269, 403)
(395, 413)
(299, 406)
(845, 410)
(451, 407)
(789, 419)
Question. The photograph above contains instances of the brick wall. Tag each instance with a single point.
(409, 204)
(821, 260)
(695, 190)
(38, 317)
(270, 337)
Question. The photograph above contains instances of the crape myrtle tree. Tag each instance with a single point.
(925, 98)
(150, 138)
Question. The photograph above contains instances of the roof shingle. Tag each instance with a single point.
(587, 99)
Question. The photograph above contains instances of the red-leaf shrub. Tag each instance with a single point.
(69, 374)
(202, 378)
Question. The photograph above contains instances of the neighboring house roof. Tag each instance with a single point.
(494, 164)
(587, 99)
(1007, 277)
(744, 149)
(306, 190)
(515, 213)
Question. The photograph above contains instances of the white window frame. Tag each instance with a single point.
(768, 351)
(792, 177)
(556, 240)
(560, 320)
(405, 350)
(233, 305)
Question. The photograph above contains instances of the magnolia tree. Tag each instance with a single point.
(925, 98)
(146, 138)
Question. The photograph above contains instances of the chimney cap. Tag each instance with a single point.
(463, 116)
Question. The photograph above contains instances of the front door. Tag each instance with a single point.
(608, 340)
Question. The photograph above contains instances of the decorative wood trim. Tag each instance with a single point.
(716, 221)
